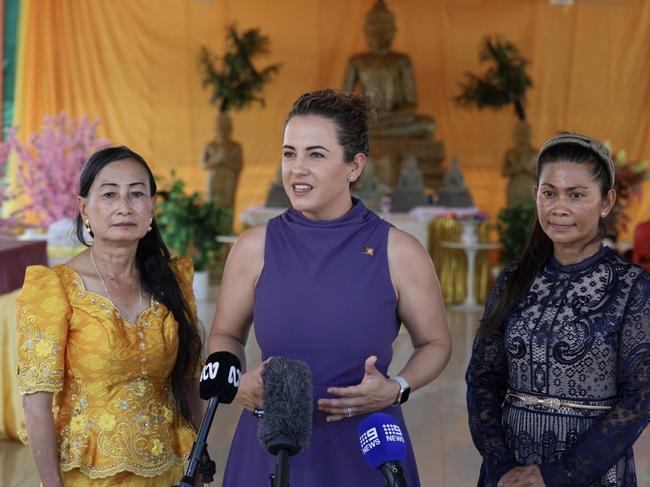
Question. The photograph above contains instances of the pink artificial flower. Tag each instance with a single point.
(49, 166)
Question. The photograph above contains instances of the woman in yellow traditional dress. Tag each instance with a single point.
(108, 342)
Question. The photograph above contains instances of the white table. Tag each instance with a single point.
(471, 249)
(227, 239)
(428, 213)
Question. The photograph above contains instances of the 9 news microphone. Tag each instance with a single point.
(285, 427)
(383, 446)
(219, 383)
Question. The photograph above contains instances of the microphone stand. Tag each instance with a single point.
(282, 447)
(393, 474)
(199, 457)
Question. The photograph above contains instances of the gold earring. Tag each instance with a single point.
(87, 225)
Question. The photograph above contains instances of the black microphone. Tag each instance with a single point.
(285, 427)
(219, 383)
(383, 446)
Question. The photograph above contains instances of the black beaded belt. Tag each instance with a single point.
(553, 402)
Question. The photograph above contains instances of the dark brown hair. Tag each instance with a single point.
(350, 112)
(540, 247)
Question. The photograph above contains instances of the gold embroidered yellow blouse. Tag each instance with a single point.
(113, 406)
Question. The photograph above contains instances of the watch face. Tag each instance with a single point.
(404, 390)
(405, 395)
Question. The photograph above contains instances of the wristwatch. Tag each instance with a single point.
(404, 390)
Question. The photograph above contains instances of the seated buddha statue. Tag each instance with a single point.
(454, 193)
(409, 191)
(387, 78)
(368, 188)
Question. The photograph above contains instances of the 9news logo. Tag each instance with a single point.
(369, 440)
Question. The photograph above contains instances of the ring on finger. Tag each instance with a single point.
(348, 412)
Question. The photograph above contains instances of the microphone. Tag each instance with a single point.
(285, 426)
(383, 446)
(218, 383)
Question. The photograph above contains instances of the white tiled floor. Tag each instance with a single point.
(436, 417)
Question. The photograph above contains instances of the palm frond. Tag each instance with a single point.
(237, 83)
(504, 82)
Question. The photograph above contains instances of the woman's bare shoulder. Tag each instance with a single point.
(404, 246)
(251, 242)
(246, 257)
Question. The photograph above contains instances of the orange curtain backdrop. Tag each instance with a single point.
(133, 64)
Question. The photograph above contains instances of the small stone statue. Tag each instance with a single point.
(277, 197)
(368, 188)
(409, 192)
(520, 165)
(222, 158)
(387, 77)
(454, 193)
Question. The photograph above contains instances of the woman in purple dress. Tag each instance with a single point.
(559, 380)
(329, 282)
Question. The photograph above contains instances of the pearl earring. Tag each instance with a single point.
(352, 178)
(149, 229)
(603, 214)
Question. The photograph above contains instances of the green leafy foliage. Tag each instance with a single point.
(236, 82)
(190, 226)
(513, 226)
(504, 82)
(630, 175)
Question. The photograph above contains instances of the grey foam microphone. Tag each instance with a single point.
(285, 427)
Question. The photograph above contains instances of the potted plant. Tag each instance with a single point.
(190, 226)
(513, 227)
(505, 81)
(237, 83)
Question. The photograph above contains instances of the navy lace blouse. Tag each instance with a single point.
(580, 334)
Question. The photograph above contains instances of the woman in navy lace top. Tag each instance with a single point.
(559, 379)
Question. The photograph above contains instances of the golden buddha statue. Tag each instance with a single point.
(520, 165)
(387, 78)
(222, 157)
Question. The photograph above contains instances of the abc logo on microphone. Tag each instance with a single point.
(220, 377)
(211, 370)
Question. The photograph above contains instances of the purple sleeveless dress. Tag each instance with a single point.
(323, 299)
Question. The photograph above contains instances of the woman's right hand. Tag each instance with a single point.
(251, 388)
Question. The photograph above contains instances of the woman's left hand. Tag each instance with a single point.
(375, 392)
(528, 476)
